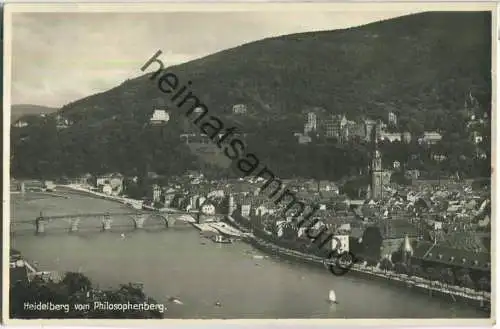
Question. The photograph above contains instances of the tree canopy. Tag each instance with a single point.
(73, 290)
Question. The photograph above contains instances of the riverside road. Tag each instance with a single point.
(178, 262)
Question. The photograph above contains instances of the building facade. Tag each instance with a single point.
(392, 119)
(160, 116)
(341, 243)
(239, 109)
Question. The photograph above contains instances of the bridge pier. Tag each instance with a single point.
(40, 225)
(106, 223)
(74, 224)
(169, 220)
(139, 220)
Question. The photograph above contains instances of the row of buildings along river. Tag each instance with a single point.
(440, 233)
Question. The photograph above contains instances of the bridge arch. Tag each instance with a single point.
(141, 219)
(105, 221)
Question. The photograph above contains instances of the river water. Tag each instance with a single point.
(178, 262)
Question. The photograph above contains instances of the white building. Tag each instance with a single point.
(106, 189)
(198, 110)
(431, 137)
(261, 210)
(62, 122)
(115, 181)
(159, 117)
(391, 137)
(102, 180)
(20, 124)
(208, 209)
(476, 137)
(245, 210)
(407, 137)
(49, 185)
(341, 243)
(216, 194)
(393, 118)
(312, 120)
(279, 225)
(156, 193)
(231, 204)
(239, 109)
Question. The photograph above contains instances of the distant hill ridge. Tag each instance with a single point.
(20, 110)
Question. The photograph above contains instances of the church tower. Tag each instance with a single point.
(376, 175)
(471, 105)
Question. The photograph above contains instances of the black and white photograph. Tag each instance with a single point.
(249, 161)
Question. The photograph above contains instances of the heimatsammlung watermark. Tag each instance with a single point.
(247, 162)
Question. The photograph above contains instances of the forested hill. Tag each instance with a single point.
(421, 66)
(413, 64)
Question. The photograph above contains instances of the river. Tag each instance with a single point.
(178, 262)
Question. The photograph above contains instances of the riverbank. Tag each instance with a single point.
(219, 227)
(88, 192)
(30, 270)
(43, 193)
(481, 300)
(453, 293)
(129, 202)
(200, 272)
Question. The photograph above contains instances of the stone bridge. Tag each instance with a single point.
(105, 220)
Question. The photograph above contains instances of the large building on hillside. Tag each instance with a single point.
(392, 119)
(159, 117)
(311, 124)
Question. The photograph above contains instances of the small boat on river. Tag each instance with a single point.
(221, 239)
(175, 300)
(332, 297)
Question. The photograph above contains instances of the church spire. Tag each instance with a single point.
(376, 167)
(407, 249)
(407, 245)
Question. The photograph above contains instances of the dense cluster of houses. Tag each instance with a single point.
(447, 223)
(444, 225)
(110, 184)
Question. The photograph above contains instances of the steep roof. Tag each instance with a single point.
(397, 229)
(468, 240)
(427, 251)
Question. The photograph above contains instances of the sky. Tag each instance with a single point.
(58, 58)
